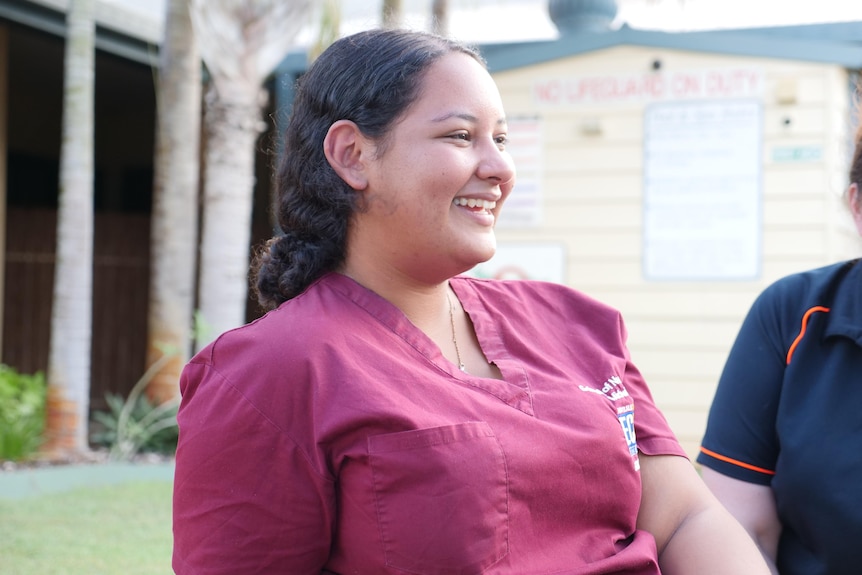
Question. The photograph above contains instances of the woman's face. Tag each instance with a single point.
(435, 190)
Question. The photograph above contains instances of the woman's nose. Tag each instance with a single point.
(496, 164)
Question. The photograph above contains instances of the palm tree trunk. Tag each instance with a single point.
(232, 129)
(393, 13)
(241, 42)
(175, 202)
(71, 314)
(440, 17)
(4, 142)
(329, 29)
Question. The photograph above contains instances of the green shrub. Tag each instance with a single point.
(141, 428)
(22, 413)
(133, 424)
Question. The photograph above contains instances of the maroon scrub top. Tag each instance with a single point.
(332, 436)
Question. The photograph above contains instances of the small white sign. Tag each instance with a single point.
(523, 208)
(535, 261)
(797, 154)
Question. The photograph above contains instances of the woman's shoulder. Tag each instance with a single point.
(810, 287)
(284, 334)
(269, 361)
(530, 295)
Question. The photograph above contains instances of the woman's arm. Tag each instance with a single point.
(247, 498)
(694, 533)
(753, 506)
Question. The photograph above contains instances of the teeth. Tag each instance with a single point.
(475, 203)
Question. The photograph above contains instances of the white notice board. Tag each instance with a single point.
(702, 190)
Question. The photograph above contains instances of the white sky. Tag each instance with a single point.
(708, 14)
(512, 20)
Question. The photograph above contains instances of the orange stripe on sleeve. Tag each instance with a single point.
(802, 330)
(736, 462)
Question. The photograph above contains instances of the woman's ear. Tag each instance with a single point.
(854, 196)
(347, 151)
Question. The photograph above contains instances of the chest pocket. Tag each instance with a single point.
(442, 498)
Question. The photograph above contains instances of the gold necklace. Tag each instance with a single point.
(461, 365)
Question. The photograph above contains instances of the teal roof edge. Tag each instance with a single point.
(48, 20)
(839, 43)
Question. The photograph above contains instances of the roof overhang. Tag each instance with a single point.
(791, 43)
(140, 48)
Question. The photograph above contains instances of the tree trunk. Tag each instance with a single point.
(175, 202)
(440, 17)
(232, 130)
(241, 42)
(329, 30)
(393, 13)
(71, 314)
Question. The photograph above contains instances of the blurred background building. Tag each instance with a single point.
(671, 164)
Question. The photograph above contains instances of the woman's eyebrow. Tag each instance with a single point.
(464, 116)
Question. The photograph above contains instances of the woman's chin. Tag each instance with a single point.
(480, 256)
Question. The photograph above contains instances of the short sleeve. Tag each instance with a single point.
(246, 498)
(740, 439)
(654, 435)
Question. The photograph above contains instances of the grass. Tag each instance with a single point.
(120, 529)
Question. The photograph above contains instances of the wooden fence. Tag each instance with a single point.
(120, 287)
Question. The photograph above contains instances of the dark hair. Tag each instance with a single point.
(856, 164)
(369, 78)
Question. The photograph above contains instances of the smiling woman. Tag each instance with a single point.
(389, 415)
(419, 191)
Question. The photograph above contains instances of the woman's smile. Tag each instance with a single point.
(475, 204)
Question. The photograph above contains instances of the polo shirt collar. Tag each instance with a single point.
(845, 316)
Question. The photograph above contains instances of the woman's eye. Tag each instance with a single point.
(502, 140)
(461, 136)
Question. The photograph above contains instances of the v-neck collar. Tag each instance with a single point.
(513, 389)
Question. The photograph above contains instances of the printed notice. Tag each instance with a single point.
(702, 190)
(648, 87)
(523, 208)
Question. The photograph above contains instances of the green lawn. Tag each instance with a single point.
(120, 529)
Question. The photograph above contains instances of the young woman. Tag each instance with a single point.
(391, 416)
(781, 449)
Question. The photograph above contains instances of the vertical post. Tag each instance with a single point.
(4, 146)
(67, 405)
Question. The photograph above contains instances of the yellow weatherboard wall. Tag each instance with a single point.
(591, 191)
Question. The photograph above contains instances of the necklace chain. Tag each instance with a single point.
(461, 365)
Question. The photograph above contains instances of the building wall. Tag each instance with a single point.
(125, 128)
(592, 179)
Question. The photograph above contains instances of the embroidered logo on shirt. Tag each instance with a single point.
(614, 390)
(626, 416)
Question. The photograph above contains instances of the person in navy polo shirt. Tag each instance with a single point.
(392, 416)
(783, 444)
